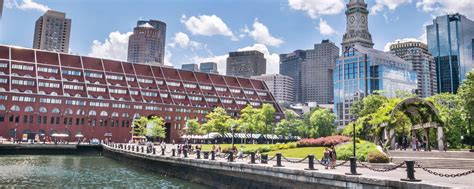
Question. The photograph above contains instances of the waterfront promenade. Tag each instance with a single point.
(390, 177)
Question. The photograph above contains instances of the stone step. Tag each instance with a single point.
(446, 163)
(435, 154)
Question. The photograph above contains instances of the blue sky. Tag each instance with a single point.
(206, 30)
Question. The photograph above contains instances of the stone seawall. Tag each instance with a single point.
(219, 174)
(50, 149)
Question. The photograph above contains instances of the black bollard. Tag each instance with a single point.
(410, 172)
(206, 155)
(353, 161)
(154, 150)
(179, 151)
(133, 148)
(142, 149)
(264, 159)
(231, 157)
(252, 158)
(198, 154)
(162, 151)
(173, 152)
(278, 164)
(128, 146)
(310, 162)
(213, 155)
(185, 153)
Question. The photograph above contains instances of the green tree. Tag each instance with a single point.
(192, 127)
(139, 126)
(268, 112)
(156, 127)
(466, 93)
(218, 121)
(251, 120)
(322, 123)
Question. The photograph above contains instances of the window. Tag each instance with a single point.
(93, 74)
(206, 87)
(114, 77)
(80, 112)
(154, 108)
(133, 92)
(121, 106)
(28, 109)
(142, 80)
(221, 89)
(48, 84)
(48, 70)
(99, 104)
(262, 94)
(74, 87)
(125, 115)
(72, 72)
(130, 79)
(3, 97)
(148, 93)
(3, 80)
(75, 102)
(23, 82)
(255, 103)
(104, 114)
(237, 91)
(191, 86)
(23, 99)
(22, 67)
(43, 110)
(50, 101)
(55, 111)
(239, 102)
(163, 95)
(68, 112)
(211, 99)
(227, 101)
(137, 107)
(96, 89)
(92, 113)
(178, 96)
(4, 65)
(249, 92)
(118, 91)
(115, 114)
(195, 98)
(174, 84)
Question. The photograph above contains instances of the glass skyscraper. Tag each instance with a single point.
(450, 41)
(361, 71)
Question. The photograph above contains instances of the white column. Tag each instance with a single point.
(440, 139)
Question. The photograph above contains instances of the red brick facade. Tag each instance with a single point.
(47, 92)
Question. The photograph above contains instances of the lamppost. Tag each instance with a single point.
(16, 125)
(470, 133)
(232, 129)
(353, 159)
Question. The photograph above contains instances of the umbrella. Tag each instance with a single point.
(108, 134)
(79, 135)
(59, 135)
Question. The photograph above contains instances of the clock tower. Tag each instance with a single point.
(357, 29)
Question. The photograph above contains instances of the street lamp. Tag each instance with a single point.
(353, 159)
(232, 129)
(16, 125)
(470, 133)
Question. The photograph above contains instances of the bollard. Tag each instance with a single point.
(154, 150)
(213, 155)
(353, 161)
(231, 157)
(179, 151)
(252, 158)
(162, 151)
(142, 149)
(185, 153)
(310, 162)
(173, 152)
(133, 148)
(264, 159)
(410, 172)
(198, 154)
(128, 147)
(206, 155)
(278, 164)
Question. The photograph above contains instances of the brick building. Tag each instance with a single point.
(46, 92)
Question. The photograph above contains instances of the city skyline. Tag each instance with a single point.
(268, 33)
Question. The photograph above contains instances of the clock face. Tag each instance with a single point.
(352, 19)
(362, 20)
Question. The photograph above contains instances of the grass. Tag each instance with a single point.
(300, 152)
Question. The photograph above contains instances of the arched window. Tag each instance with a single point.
(77, 95)
(43, 110)
(136, 115)
(100, 97)
(104, 114)
(41, 92)
(80, 112)
(2, 89)
(28, 91)
(68, 112)
(67, 94)
(54, 93)
(55, 111)
(125, 114)
(2, 107)
(92, 113)
(115, 114)
(29, 109)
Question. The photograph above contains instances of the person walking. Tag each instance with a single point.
(333, 156)
(325, 161)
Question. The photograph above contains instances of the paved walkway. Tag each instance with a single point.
(395, 175)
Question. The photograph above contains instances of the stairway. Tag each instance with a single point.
(436, 159)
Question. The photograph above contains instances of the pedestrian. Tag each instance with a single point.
(240, 154)
(405, 143)
(333, 156)
(257, 155)
(325, 160)
(414, 143)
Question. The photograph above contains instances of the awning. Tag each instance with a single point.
(59, 135)
(79, 136)
(139, 137)
(108, 134)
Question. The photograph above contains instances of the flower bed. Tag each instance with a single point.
(323, 141)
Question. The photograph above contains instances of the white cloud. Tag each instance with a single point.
(316, 8)
(167, 60)
(182, 40)
(439, 7)
(387, 46)
(207, 25)
(114, 47)
(390, 4)
(261, 34)
(324, 28)
(273, 59)
(26, 5)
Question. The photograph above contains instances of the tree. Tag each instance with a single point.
(155, 127)
(218, 121)
(466, 92)
(268, 112)
(251, 120)
(322, 122)
(192, 127)
(139, 126)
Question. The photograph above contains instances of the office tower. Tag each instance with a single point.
(357, 26)
(1, 9)
(361, 70)
(451, 41)
(72, 94)
(423, 64)
(246, 64)
(191, 67)
(312, 72)
(208, 67)
(280, 86)
(52, 32)
(290, 65)
(147, 43)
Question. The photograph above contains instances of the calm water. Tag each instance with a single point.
(80, 171)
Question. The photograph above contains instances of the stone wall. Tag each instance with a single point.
(48, 149)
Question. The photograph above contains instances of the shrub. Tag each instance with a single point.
(377, 157)
(363, 148)
(323, 141)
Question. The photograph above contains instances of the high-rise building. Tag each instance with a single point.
(147, 43)
(191, 67)
(361, 70)
(357, 26)
(280, 86)
(246, 64)
(208, 67)
(423, 64)
(52, 32)
(1, 9)
(451, 41)
(312, 72)
(290, 65)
